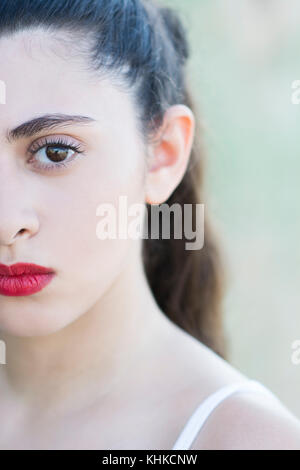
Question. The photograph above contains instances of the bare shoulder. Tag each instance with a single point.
(250, 421)
(244, 420)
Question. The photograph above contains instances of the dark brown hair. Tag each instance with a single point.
(188, 284)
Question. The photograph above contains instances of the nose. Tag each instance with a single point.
(9, 234)
(18, 220)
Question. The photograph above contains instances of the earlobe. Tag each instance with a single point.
(170, 156)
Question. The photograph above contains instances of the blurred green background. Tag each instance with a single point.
(244, 58)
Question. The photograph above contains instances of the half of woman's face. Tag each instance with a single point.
(56, 206)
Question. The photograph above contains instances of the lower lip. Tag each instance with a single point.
(24, 284)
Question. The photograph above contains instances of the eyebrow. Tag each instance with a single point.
(45, 122)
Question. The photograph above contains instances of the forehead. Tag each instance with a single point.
(43, 74)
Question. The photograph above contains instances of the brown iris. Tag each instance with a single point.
(56, 154)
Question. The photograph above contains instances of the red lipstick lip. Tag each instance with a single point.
(23, 268)
(24, 279)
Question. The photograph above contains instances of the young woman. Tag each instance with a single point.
(110, 343)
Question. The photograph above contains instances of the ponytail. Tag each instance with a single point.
(188, 285)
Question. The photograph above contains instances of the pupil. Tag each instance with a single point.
(56, 154)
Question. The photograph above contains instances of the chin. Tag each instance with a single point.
(27, 322)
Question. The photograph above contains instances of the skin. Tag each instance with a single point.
(92, 362)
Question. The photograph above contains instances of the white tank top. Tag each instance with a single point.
(201, 413)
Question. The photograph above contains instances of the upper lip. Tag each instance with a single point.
(23, 268)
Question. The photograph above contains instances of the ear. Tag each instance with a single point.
(170, 156)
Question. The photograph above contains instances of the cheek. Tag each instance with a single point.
(118, 158)
(85, 261)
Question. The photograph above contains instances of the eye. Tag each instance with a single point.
(51, 153)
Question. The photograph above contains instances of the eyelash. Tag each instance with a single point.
(55, 142)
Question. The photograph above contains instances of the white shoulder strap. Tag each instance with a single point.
(201, 413)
